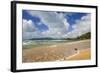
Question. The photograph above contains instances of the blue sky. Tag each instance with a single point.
(34, 19)
(38, 24)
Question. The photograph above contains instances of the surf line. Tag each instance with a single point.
(73, 55)
(53, 46)
(68, 57)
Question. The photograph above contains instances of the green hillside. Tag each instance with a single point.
(84, 36)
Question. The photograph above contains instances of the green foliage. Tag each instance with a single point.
(84, 36)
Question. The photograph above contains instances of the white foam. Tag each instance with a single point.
(73, 55)
(53, 46)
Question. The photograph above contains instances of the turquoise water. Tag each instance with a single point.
(38, 43)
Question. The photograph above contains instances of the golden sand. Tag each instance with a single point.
(83, 55)
(59, 52)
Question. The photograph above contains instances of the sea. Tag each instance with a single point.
(26, 44)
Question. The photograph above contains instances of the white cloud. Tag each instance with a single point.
(28, 26)
(29, 29)
(82, 26)
(29, 35)
(56, 23)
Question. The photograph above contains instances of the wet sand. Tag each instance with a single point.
(79, 50)
(83, 55)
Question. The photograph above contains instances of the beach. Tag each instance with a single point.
(76, 50)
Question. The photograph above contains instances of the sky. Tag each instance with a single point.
(41, 24)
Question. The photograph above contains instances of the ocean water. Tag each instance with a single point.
(26, 44)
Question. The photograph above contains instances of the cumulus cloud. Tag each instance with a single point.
(29, 29)
(82, 26)
(57, 24)
(28, 26)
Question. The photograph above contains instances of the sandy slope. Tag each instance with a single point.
(83, 55)
(58, 52)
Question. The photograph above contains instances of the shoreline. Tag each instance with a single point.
(56, 52)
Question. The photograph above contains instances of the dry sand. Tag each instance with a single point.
(58, 52)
